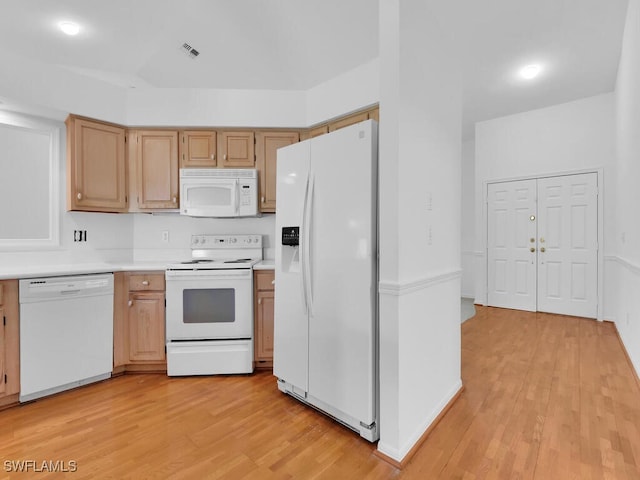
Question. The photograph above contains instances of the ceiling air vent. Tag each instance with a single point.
(190, 51)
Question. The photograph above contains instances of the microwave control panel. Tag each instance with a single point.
(291, 236)
(246, 193)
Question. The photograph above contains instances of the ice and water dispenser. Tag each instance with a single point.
(290, 249)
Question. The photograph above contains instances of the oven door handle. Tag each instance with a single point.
(180, 275)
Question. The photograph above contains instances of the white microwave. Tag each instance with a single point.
(219, 192)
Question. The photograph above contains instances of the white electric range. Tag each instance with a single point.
(209, 314)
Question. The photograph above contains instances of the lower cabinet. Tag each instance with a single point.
(263, 282)
(9, 343)
(139, 322)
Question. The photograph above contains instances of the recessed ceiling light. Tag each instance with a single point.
(69, 28)
(530, 71)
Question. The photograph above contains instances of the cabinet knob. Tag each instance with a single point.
(543, 249)
(262, 199)
(145, 283)
(273, 282)
(213, 156)
(175, 199)
(532, 249)
(260, 301)
(130, 303)
(79, 196)
(224, 157)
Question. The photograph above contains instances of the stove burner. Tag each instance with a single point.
(239, 260)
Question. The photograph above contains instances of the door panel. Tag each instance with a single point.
(560, 275)
(568, 233)
(511, 264)
(291, 324)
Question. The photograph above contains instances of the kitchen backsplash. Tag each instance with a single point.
(167, 236)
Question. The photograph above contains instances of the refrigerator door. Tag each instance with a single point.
(291, 325)
(343, 266)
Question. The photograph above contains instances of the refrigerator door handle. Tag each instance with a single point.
(303, 247)
(307, 248)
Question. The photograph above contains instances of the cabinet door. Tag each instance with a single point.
(267, 145)
(264, 314)
(146, 327)
(3, 362)
(197, 149)
(237, 149)
(157, 169)
(9, 338)
(96, 166)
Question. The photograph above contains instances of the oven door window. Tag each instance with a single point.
(209, 305)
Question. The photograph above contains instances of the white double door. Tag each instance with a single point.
(542, 239)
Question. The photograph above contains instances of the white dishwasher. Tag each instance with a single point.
(66, 333)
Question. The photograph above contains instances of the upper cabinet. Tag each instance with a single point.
(112, 169)
(198, 149)
(154, 168)
(96, 166)
(267, 145)
(236, 149)
(346, 121)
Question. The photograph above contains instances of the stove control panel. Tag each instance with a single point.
(225, 241)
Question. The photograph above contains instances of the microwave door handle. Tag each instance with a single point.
(234, 196)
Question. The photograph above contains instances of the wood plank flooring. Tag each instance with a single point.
(546, 397)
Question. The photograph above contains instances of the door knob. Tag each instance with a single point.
(532, 249)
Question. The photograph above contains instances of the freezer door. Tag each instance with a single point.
(291, 324)
(343, 265)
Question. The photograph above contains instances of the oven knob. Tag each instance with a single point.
(195, 240)
(233, 240)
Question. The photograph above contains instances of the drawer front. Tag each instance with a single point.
(147, 281)
(264, 280)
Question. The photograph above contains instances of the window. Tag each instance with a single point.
(29, 182)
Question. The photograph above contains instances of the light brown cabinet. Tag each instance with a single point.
(9, 342)
(264, 317)
(236, 149)
(198, 149)
(267, 145)
(139, 322)
(96, 166)
(154, 169)
(350, 120)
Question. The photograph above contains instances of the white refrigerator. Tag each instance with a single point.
(326, 276)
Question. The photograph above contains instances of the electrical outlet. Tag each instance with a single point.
(165, 235)
(79, 235)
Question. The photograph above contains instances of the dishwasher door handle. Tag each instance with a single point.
(69, 292)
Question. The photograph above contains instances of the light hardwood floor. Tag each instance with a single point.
(546, 397)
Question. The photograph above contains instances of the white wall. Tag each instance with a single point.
(108, 235)
(627, 238)
(52, 91)
(180, 107)
(352, 90)
(468, 224)
(565, 138)
(420, 223)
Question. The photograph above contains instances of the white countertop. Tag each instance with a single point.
(34, 271)
(265, 265)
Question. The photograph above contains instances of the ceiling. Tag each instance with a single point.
(295, 45)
